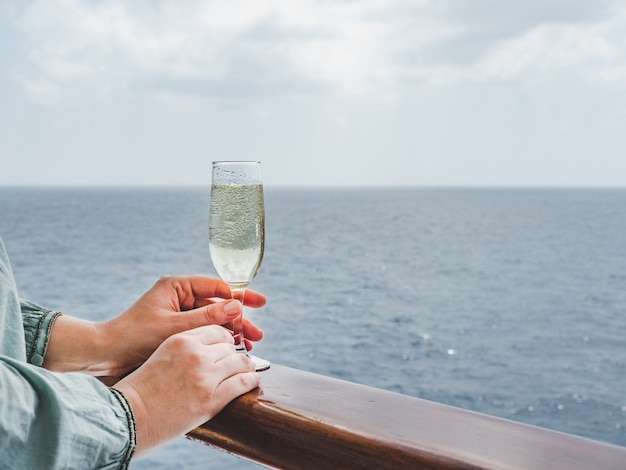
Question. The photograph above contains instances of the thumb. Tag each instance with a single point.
(217, 313)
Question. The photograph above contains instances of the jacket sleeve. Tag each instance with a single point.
(37, 323)
(61, 420)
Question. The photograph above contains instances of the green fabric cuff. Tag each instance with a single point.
(132, 431)
(38, 322)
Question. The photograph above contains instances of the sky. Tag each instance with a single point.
(324, 93)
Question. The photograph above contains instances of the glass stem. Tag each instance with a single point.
(238, 293)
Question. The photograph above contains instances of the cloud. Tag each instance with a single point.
(370, 48)
(547, 47)
(543, 51)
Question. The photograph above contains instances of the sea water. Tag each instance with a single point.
(509, 302)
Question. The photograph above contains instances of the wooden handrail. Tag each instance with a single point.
(299, 420)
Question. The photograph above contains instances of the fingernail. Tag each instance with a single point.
(232, 308)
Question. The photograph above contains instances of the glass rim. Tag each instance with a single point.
(217, 162)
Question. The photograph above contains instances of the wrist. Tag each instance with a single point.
(106, 342)
(143, 440)
(78, 346)
(130, 422)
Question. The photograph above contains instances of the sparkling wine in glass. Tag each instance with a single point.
(237, 232)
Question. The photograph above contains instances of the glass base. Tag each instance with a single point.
(259, 364)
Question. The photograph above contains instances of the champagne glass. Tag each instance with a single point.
(237, 232)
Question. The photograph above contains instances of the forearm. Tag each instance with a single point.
(77, 345)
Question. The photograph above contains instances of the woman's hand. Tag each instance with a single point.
(187, 381)
(174, 304)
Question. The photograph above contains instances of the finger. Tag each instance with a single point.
(219, 313)
(190, 290)
(249, 345)
(235, 363)
(204, 290)
(212, 334)
(217, 352)
(251, 331)
(201, 302)
(252, 299)
(238, 384)
(207, 287)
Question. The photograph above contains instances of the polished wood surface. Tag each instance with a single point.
(299, 420)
